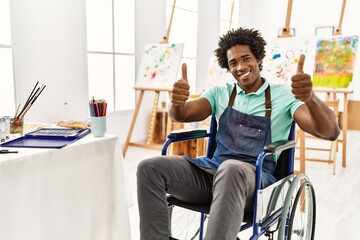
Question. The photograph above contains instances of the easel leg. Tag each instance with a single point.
(302, 152)
(169, 121)
(345, 122)
(153, 119)
(138, 104)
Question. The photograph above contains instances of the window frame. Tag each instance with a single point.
(114, 53)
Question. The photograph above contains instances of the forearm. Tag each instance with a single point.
(178, 113)
(191, 111)
(324, 122)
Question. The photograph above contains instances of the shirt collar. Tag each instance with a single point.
(263, 87)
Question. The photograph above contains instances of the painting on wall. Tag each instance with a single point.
(282, 56)
(334, 61)
(159, 65)
(217, 75)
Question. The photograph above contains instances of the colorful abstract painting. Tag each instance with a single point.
(217, 75)
(334, 61)
(159, 65)
(282, 56)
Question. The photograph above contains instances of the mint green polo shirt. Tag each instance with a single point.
(283, 104)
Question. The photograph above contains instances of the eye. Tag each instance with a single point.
(232, 64)
(247, 59)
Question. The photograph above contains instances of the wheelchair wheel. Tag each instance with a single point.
(303, 214)
(184, 224)
(278, 196)
(297, 220)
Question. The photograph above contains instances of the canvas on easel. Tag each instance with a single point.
(159, 65)
(217, 75)
(334, 61)
(157, 73)
(282, 56)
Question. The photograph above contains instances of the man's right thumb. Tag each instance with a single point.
(184, 72)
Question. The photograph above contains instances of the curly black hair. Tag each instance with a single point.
(240, 36)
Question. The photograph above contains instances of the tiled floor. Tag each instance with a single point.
(337, 196)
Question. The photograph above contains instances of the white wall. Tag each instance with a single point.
(208, 32)
(49, 45)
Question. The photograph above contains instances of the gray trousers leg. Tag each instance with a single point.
(174, 175)
(233, 194)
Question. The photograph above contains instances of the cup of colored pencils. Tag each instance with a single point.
(98, 117)
(97, 107)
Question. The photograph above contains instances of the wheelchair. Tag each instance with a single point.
(286, 209)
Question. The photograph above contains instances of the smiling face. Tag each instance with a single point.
(244, 67)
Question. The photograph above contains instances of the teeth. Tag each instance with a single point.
(245, 75)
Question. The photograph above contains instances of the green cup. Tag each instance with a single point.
(97, 126)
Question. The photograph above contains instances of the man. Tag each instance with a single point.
(250, 114)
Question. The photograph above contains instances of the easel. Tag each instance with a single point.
(231, 13)
(330, 94)
(286, 30)
(338, 30)
(150, 140)
(150, 143)
(286, 33)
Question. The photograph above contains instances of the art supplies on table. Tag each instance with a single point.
(7, 151)
(59, 132)
(71, 124)
(35, 93)
(48, 138)
(97, 107)
(98, 117)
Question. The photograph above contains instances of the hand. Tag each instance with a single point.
(301, 82)
(180, 91)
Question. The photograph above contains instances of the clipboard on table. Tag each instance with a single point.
(48, 138)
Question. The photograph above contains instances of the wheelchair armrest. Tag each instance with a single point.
(182, 135)
(194, 133)
(280, 145)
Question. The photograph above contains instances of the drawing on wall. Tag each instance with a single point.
(282, 56)
(159, 65)
(217, 75)
(334, 61)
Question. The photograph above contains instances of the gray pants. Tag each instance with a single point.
(230, 192)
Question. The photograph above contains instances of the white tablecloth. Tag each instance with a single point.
(75, 193)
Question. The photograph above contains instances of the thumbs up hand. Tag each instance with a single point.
(180, 91)
(301, 82)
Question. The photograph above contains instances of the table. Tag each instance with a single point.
(78, 192)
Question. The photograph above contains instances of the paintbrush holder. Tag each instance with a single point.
(16, 126)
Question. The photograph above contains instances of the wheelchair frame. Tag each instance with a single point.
(276, 204)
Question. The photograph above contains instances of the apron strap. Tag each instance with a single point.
(267, 100)
(232, 96)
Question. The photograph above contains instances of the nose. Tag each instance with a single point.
(240, 66)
